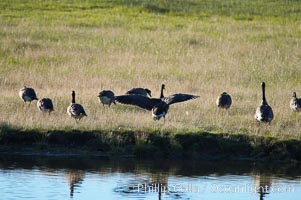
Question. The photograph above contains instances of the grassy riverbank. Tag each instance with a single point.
(197, 46)
(148, 145)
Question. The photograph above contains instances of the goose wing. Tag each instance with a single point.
(177, 98)
(138, 100)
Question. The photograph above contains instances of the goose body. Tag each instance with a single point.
(264, 112)
(75, 110)
(107, 97)
(224, 100)
(295, 103)
(140, 91)
(45, 105)
(27, 94)
(160, 110)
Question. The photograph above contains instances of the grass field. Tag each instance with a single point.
(200, 47)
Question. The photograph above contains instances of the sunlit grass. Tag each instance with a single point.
(202, 48)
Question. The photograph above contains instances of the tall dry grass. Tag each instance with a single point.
(202, 56)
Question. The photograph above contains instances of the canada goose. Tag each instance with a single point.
(148, 103)
(295, 103)
(75, 110)
(140, 91)
(264, 112)
(107, 97)
(27, 94)
(45, 105)
(158, 106)
(224, 100)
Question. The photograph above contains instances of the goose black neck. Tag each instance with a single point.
(162, 88)
(263, 91)
(73, 97)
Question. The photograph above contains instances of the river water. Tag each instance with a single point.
(61, 178)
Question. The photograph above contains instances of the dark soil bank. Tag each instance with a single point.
(148, 145)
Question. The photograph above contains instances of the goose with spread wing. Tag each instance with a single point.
(158, 106)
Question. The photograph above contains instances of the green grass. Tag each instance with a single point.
(199, 46)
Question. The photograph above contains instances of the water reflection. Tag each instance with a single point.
(74, 178)
(130, 179)
(147, 183)
(262, 184)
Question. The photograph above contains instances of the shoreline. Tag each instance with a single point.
(148, 145)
